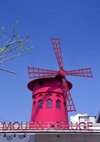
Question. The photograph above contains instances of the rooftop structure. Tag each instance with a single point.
(82, 118)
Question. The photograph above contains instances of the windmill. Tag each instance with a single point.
(52, 100)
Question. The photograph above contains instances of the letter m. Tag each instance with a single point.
(8, 127)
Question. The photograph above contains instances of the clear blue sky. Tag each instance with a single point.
(77, 24)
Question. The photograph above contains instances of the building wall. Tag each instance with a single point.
(52, 137)
(83, 118)
(18, 138)
(67, 137)
(53, 87)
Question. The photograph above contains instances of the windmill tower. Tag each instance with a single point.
(51, 91)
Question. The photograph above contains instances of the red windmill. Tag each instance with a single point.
(51, 96)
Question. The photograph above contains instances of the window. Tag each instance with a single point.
(34, 97)
(86, 119)
(41, 83)
(49, 103)
(40, 96)
(58, 96)
(40, 104)
(34, 105)
(58, 104)
(49, 95)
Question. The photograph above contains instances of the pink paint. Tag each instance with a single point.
(58, 85)
(52, 86)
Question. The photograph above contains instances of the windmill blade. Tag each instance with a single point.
(68, 99)
(57, 50)
(80, 72)
(41, 73)
(65, 87)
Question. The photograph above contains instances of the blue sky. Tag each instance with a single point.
(77, 24)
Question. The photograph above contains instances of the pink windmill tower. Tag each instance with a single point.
(51, 91)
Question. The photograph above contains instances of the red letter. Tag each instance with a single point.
(84, 126)
(22, 126)
(40, 126)
(72, 126)
(18, 126)
(6, 128)
(31, 126)
(58, 125)
(68, 126)
(89, 125)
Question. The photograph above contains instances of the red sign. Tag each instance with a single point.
(47, 125)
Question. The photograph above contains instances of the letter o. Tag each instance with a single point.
(17, 127)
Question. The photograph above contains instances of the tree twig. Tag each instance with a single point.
(9, 50)
(7, 70)
(13, 46)
(9, 58)
(16, 41)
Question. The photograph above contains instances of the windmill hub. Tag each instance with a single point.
(62, 72)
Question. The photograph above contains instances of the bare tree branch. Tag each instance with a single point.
(9, 50)
(21, 40)
(13, 47)
(11, 36)
(7, 70)
(8, 59)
